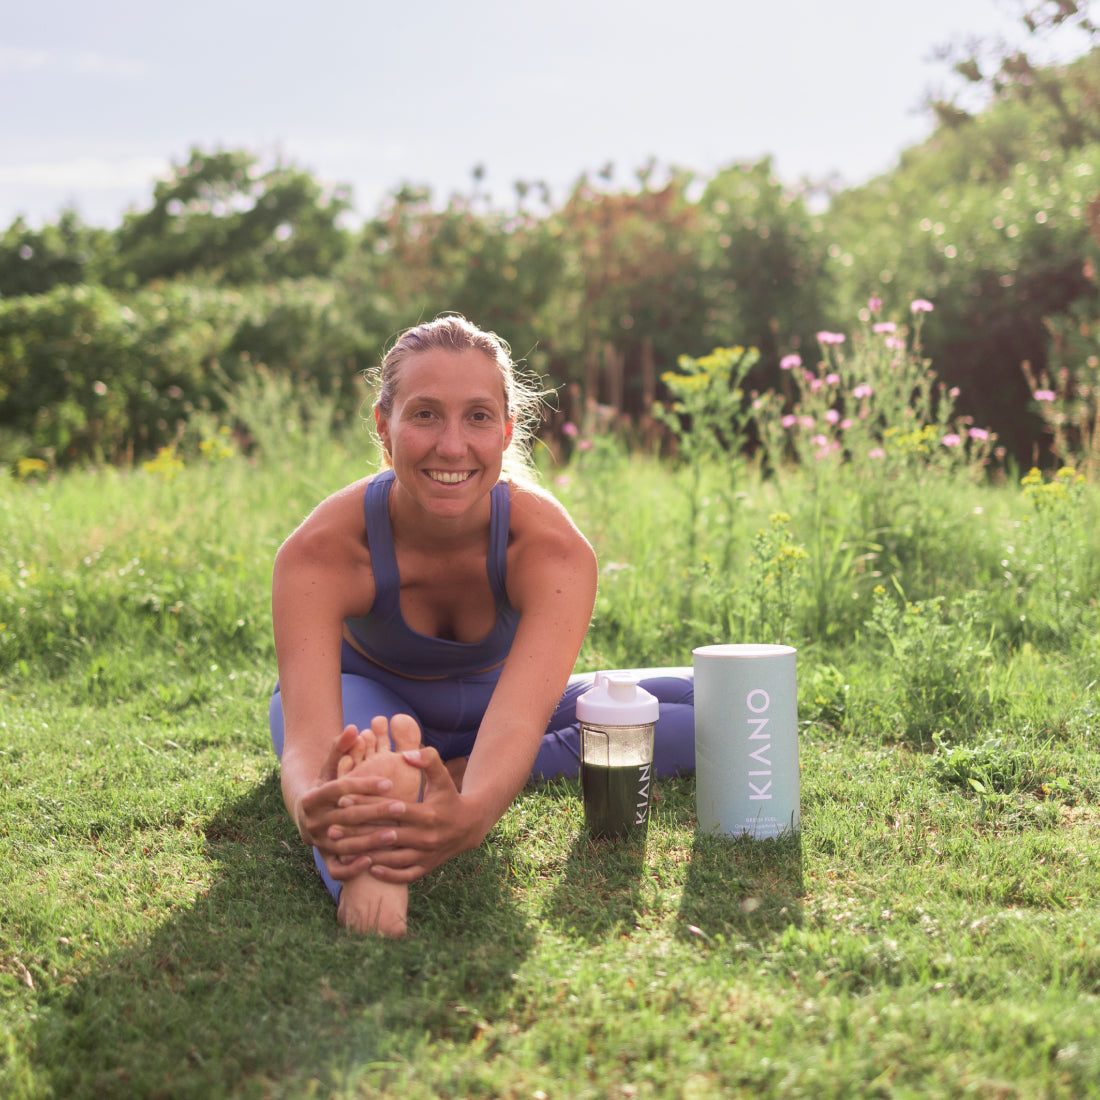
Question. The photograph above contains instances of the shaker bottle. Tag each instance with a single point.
(617, 720)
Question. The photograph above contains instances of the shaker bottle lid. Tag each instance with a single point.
(616, 700)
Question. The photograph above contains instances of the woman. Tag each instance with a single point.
(441, 605)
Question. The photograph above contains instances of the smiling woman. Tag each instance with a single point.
(433, 612)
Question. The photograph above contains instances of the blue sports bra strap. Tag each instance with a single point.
(383, 558)
(499, 523)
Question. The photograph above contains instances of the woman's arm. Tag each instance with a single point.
(552, 583)
(322, 575)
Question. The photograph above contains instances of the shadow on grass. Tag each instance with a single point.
(600, 888)
(253, 989)
(743, 889)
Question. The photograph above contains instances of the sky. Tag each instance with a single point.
(97, 100)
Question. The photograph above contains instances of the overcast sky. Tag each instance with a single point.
(99, 98)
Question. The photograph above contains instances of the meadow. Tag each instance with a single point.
(930, 931)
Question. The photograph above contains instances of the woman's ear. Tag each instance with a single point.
(509, 427)
(382, 427)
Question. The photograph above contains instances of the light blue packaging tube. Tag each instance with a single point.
(746, 740)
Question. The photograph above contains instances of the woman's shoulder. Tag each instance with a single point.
(337, 521)
(539, 519)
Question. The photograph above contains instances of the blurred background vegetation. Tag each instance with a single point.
(114, 341)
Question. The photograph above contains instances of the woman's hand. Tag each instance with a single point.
(406, 840)
(320, 812)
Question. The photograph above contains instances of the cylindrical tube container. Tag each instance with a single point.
(617, 720)
(746, 740)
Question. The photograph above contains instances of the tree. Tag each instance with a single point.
(219, 214)
(35, 261)
(999, 72)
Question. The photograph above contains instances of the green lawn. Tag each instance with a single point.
(932, 930)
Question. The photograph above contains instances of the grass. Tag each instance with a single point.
(930, 931)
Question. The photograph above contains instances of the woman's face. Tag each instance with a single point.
(447, 431)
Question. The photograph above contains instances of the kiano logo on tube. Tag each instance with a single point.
(760, 791)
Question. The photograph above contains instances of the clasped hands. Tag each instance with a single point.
(395, 812)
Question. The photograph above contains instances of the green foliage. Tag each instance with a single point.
(220, 216)
(34, 261)
(995, 220)
(763, 262)
(1060, 569)
(997, 251)
(88, 374)
(940, 655)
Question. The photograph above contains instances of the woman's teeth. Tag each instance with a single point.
(448, 478)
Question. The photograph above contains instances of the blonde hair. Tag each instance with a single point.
(452, 332)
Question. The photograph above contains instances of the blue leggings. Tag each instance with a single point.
(449, 713)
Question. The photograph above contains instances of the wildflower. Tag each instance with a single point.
(953, 392)
(806, 421)
(876, 452)
(832, 416)
(846, 424)
(921, 305)
(951, 440)
(815, 384)
(979, 433)
(789, 362)
(570, 429)
(874, 305)
(830, 337)
(1044, 395)
(884, 326)
(819, 441)
(584, 445)
(562, 480)
(832, 379)
(27, 466)
(789, 421)
(894, 344)
(861, 391)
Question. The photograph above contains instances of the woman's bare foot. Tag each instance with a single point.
(366, 903)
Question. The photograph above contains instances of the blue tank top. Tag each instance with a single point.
(383, 636)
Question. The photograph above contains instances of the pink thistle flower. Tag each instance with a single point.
(562, 480)
(861, 391)
(815, 384)
(830, 337)
(874, 305)
(846, 424)
(584, 445)
(876, 452)
(884, 326)
(1043, 395)
(832, 416)
(953, 392)
(894, 344)
(570, 429)
(832, 379)
(979, 433)
(951, 440)
(789, 421)
(921, 305)
(819, 441)
(806, 421)
(789, 362)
